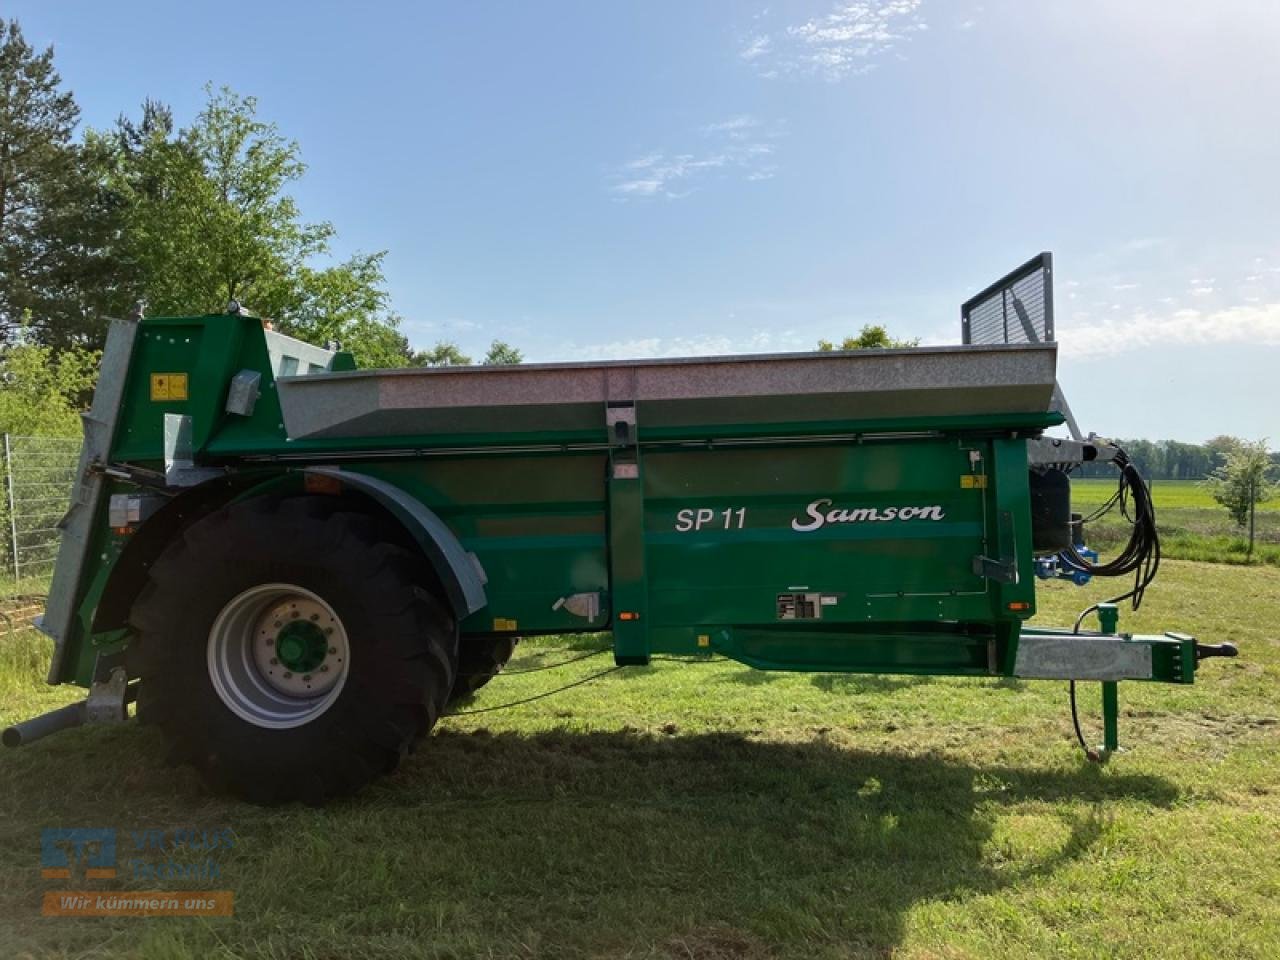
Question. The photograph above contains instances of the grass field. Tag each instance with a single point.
(1192, 525)
(708, 811)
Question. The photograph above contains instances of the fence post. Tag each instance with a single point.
(13, 508)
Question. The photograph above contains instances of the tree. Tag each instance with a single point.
(1221, 446)
(1243, 482)
(502, 353)
(44, 390)
(44, 198)
(209, 220)
(443, 354)
(870, 337)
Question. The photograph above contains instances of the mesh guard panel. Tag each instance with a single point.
(1017, 308)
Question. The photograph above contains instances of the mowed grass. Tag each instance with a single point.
(709, 811)
(1193, 526)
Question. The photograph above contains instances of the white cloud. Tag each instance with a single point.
(739, 146)
(845, 42)
(736, 128)
(653, 174)
(756, 47)
(1252, 325)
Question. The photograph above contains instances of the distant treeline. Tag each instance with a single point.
(1172, 459)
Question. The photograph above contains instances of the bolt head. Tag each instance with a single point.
(306, 678)
(315, 616)
(333, 649)
(275, 662)
(324, 668)
(288, 675)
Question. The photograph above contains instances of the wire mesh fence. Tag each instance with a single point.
(38, 477)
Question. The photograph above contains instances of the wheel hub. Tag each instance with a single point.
(278, 655)
(301, 645)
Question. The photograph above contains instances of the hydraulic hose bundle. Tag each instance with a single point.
(1141, 554)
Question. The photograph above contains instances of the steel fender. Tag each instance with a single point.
(145, 546)
(459, 574)
(457, 569)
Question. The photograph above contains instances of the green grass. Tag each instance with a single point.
(1169, 495)
(708, 811)
(1192, 525)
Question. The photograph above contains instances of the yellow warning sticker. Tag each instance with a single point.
(168, 386)
(973, 481)
(503, 625)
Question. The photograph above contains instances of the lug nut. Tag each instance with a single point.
(324, 668)
(306, 678)
(333, 649)
(288, 675)
(275, 662)
(315, 616)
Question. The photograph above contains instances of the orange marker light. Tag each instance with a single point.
(321, 483)
(1019, 605)
(628, 615)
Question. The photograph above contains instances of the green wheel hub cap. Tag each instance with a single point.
(301, 646)
(278, 655)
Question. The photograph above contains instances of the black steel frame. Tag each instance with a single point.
(1041, 262)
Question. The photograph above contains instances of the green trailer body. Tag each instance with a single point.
(867, 512)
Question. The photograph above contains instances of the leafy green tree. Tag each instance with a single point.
(42, 391)
(443, 354)
(1221, 446)
(1243, 482)
(871, 336)
(208, 219)
(502, 353)
(51, 224)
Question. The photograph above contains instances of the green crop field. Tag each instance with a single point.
(708, 811)
(1192, 525)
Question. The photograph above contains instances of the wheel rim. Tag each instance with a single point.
(278, 655)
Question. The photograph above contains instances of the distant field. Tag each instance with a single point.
(1193, 526)
(1169, 495)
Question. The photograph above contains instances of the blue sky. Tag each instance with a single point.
(599, 180)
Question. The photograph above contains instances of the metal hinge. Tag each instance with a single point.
(621, 421)
(1001, 571)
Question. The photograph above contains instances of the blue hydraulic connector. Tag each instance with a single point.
(1060, 566)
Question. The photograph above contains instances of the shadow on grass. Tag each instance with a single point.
(766, 838)
(865, 683)
(608, 843)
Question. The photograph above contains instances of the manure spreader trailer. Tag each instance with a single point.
(293, 566)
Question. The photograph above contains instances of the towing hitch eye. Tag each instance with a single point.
(1206, 650)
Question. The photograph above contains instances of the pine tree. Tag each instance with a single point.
(38, 170)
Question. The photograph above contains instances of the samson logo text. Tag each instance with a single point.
(819, 513)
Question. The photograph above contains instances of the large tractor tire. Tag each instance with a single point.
(480, 659)
(289, 651)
